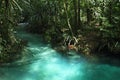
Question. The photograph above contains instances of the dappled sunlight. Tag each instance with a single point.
(56, 69)
(52, 65)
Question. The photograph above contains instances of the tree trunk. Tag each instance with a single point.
(79, 20)
(75, 13)
(67, 19)
(88, 15)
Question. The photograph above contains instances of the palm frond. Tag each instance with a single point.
(17, 5)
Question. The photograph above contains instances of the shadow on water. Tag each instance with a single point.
(112, 61)
(47, 64)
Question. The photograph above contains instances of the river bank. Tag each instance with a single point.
(46, 63)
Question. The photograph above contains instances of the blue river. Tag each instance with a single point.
(44, 63)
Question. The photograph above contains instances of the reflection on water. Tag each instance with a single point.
(49, 65)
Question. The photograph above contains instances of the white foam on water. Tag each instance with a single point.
(50, 65)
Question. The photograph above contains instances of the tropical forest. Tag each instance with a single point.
(59, 39)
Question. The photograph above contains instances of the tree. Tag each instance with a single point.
(10, 46)
(77, 9)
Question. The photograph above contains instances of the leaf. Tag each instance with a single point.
(17, 5)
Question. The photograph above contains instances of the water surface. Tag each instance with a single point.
(47, 64)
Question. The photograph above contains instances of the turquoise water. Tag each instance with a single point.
(47, 64)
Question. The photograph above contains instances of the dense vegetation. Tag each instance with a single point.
(93, 23)
(86, 26)
(10, 46)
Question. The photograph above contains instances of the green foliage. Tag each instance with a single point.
(10, 47)
(54, 18)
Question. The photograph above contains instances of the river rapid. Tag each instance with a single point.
(47, 64)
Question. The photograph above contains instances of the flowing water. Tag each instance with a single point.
(47, 64)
